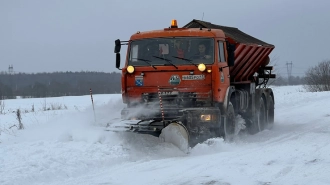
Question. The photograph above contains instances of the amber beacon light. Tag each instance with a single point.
(174, 24)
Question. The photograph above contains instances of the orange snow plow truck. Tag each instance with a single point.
(189, 84)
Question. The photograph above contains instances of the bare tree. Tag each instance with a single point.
(318, 78)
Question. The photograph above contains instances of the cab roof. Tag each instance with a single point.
(179, 32)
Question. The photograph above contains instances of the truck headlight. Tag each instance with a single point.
(206, 117)
(201, 67)
(130, 69)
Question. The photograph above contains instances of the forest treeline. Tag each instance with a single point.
(55, 84)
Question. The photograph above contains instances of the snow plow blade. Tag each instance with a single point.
(177, 134)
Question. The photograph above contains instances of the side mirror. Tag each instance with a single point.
(117, 60)
(117, 46)
(231, 54)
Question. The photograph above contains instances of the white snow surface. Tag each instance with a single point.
(67, 146)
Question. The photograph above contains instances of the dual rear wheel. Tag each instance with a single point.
(261, 115)
(262, 119)
(265, 114)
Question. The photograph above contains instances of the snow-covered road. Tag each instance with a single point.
(67, 147)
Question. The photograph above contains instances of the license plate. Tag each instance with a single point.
(193, 77)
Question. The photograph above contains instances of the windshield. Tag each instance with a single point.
(171, 51)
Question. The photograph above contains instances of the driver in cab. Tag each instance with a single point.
(201, 52)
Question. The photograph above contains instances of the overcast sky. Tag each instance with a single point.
(78, 35)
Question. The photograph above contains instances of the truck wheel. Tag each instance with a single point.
(230, 123)
(270, 113)
(261, 115)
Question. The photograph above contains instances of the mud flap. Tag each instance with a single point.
(177, 134)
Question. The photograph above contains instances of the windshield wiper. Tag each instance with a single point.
(167, 60)
(146, 61)
(188, 60)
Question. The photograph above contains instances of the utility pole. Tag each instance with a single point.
(289, 70)
(10, 69)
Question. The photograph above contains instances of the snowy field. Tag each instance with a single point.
(67, 146)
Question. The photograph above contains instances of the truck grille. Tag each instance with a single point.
(175, 99)
(172, 102)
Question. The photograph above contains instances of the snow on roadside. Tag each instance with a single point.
(57, 143)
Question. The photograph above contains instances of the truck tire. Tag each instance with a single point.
(230, 123)
(270, 113)
(261, 115)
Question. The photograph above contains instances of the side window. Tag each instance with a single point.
(221, 52)
(134, 53)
